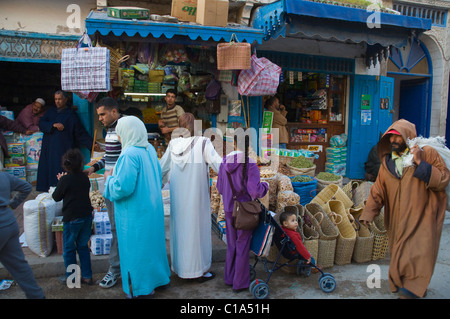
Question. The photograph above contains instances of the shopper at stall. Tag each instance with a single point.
(73, 189)
(414, 201)
(279, 120)
(186, 163)
(170, 115)
(245, 176)
(134, 185)
(8, 125)
(108, 114)
(62, 130)
(11, 253)
(29, 117)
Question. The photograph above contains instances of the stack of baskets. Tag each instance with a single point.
(347, 233)
(328, 234)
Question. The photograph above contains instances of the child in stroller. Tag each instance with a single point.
(289, 224)
(287, 248)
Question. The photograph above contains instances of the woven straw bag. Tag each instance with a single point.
(311, 171)
(328, 234)
(234, 55)
(364, 245)
(349, 189)
(381, 240)
(332, 192)
(311, 240)
(347, 234)
(362, 193)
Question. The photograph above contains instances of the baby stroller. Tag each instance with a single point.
(260, 288)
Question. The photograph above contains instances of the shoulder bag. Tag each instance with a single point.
(245, 214)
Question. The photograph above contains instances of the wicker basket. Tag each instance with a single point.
(347, 234)
(332, 192)
(311, 171)
(328, 234)
(364, 245)
(362, 193)
(311, 240)
(234, 55)
(381, 240)
(349, 189)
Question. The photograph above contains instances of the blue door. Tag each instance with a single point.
(369, 116)
(414, 104)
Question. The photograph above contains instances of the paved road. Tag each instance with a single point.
(352, 283)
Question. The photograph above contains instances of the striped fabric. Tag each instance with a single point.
(171, 116)
(112, 149)
(85, 69)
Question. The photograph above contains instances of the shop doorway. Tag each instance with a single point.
(22, 82)
(413, 104)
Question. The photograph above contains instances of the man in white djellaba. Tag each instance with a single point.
(185, 164)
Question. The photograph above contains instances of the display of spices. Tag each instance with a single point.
(301, 162)
(328, 176)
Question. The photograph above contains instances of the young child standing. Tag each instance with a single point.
(289, 224)
(73, 188)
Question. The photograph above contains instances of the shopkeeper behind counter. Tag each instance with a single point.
(170, 115)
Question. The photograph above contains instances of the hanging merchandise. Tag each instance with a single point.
(261, 79)
(85, 69)
(233, 55)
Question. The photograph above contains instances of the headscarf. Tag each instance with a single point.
(132, 132)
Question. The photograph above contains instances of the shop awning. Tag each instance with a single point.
(98, 21)
(345, 24)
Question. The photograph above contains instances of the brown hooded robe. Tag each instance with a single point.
(414, 214)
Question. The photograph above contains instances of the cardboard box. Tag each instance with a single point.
(184, 10)
(128, 13)
(212, 12)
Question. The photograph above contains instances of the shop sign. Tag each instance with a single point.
(267, 121)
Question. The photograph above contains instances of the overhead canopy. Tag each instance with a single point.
(98, 21)
(316, 20)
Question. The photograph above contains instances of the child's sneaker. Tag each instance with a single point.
(109, 280)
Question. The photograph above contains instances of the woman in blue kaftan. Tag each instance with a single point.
(135, 189)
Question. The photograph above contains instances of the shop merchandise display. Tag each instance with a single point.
(328, 221)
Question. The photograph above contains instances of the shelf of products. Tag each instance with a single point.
(316, 104)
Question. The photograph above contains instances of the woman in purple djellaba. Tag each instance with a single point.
(245, 177)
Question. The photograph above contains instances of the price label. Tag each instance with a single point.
(315, 148)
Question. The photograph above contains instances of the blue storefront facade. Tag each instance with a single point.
(327, 36)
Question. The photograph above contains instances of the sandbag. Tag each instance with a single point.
(48, 197)
(38, 216)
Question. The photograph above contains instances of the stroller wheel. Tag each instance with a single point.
(252, 273)
(327, 283)
(303, 269)
(259, 289)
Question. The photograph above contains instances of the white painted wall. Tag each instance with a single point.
(62, 17)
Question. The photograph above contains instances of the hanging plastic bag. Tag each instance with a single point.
(262, 78)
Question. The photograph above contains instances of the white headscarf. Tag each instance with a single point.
(132, 132)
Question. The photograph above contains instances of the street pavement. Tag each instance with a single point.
(353, 281)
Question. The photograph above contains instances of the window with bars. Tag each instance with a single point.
(437, 16)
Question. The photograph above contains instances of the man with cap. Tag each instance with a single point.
(29, 117)
(414, 201)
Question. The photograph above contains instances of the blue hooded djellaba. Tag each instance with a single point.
(135, 189)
